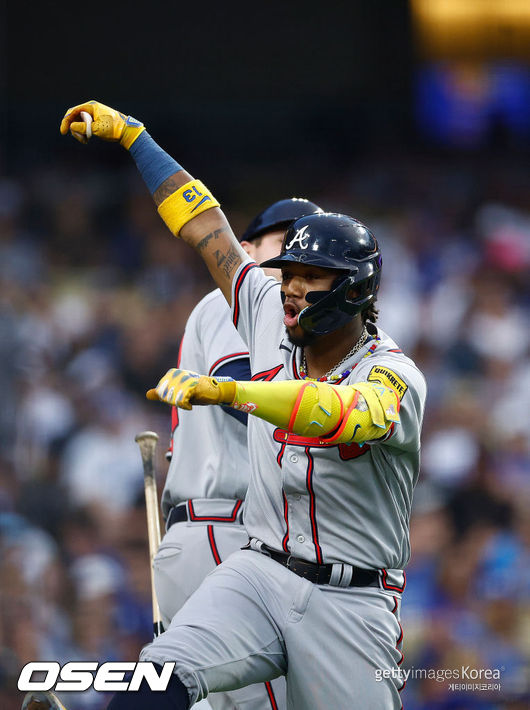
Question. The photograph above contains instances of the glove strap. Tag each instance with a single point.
(131, 132)
(186, 203)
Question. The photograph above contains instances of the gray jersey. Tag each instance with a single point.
(203, 465)
(328, 503)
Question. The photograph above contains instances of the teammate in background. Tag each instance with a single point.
(202, 501)
(334, 444)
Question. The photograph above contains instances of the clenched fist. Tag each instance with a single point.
(108, 124)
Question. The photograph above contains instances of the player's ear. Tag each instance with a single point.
(249, 248)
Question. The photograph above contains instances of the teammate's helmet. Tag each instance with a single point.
(279, 215)
(341, 243)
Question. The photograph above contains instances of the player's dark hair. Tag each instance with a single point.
(370, 314)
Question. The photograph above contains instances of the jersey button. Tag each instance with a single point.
(297, 497)
(294, 458)
(300, 538)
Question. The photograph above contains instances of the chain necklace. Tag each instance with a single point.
(329, 374)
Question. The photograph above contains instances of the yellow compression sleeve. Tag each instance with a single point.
(340, 414)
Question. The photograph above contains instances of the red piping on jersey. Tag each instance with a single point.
(395, 350)
(213, 545)
(214, 519)
(174, 424)
(286, 518)
(295, 369)
(312, 505)
(270, 692)
(179, 356)
(400, 639)
(235, 356)
(390, 586)
(237, 289)
(267, 375)
(280, 454)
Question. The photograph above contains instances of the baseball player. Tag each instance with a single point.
(202, 501)
(334, 441)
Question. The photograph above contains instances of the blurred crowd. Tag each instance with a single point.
(94, 295)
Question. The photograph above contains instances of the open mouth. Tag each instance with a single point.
(290, 318)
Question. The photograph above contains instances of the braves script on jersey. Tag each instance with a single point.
(341, 503)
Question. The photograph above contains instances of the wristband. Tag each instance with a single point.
(186, 203)
(154, 164)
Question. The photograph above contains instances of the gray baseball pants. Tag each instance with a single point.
(252, 620)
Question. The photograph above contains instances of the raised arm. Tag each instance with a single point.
(185, 204)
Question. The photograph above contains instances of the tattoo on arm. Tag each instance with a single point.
(231, 262)
(226, 262)
(167, 188)
(213, 235)
(219, 257)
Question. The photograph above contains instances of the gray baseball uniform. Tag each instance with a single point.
(207, 481)
(347, 505)
(210, 343)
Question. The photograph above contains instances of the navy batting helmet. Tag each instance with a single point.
(279, 215)
(341, 243)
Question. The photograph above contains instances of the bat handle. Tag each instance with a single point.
(87, 118)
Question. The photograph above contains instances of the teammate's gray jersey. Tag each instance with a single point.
(340, 503)
(210, 455)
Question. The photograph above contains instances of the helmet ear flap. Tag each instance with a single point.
(359, 291)
(350, 289)
(353, 291)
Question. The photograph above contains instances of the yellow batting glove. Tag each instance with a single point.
(108, 124)
(183, 388)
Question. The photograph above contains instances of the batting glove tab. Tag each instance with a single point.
(183, 388)
(108, 124)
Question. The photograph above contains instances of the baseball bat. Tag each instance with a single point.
(147, 441)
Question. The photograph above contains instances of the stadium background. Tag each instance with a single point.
(410, 118)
